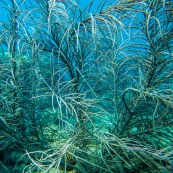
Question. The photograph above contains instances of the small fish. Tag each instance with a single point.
(71, 165)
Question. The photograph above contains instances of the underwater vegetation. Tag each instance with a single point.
(86, 91)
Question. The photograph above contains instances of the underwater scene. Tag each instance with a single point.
(86, 86)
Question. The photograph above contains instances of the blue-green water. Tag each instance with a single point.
(86, 86)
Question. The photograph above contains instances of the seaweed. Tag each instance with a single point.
(85, 90)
